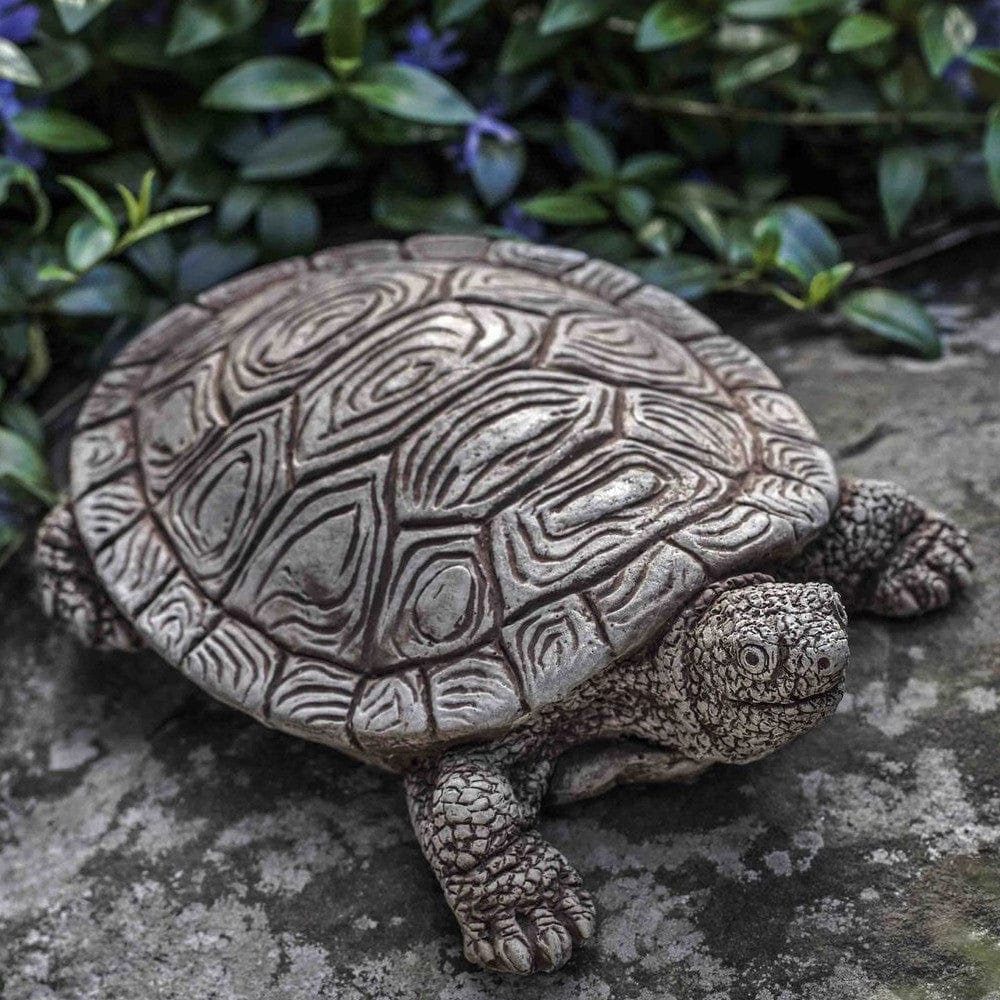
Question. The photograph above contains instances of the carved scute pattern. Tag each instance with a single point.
(316, 697)
(235, 664)
(507, 287)
(382, 386)
(605, 280)
(554, 648)
(438, 599)
(176, 423)
(643, 597)
(113, 395)
(216, 505)
(802, 504)
(628, 352)
(544, 260)
(774, 410)
(103, 513)
(801, 460)
(483, 448)
(599, 512)
(732, 364)
(669, 313)
(303, 333)
(474, 696)
(311, 580)
(135, 566)
(363, 254)
(251, 283)
(391, 714)
(101, 453)
(163, 336)
(702, 432)
(451, 248)
(177, 618)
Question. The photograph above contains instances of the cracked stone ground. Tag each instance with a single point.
(154, 844)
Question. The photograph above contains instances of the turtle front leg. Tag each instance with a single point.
(518, 902)
(887, 553)
(70, 591)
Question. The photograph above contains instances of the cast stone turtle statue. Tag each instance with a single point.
(461, 508)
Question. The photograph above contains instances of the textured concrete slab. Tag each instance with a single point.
(154, 844)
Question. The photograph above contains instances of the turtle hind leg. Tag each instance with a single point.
(887, 553)
(71, 592)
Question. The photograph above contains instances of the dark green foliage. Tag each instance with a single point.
(708, 145)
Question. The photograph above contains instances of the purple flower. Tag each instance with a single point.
(13, 145)
(429, 51)
(18, 21)
(487, 123)
(515, 221)
(958, 75)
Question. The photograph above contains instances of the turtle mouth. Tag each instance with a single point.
(830, 691)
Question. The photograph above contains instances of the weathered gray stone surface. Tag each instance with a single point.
(154, 844)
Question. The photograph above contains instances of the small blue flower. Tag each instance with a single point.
(487, 123)
(513, 219)
(13, 145)
(429, 51)
(18, 21)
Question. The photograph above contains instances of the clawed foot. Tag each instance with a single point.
(523, 910)
(929, 566)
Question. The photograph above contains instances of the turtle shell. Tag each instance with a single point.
(401, 495)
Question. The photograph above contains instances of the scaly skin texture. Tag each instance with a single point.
(750, 665)
(70, 592)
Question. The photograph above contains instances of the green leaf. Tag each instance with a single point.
(38, 362)
(59, 131)
(211, 261)
(16, 66)
(945, 31)
(53, 272)
(23, 467)
(198, 23)
(649, 166)
(987, 60)
(11, 173)
(524, 47)
(670, 22)
(661, 235)
(299, 148)
(565, 208)
(412, 93)
(176, 136)
(743, 72)
(447, 12)
(161, 221)
(87, 242)
(108, 290)
(92, 202)
(345, 36)
(60, 61)
(684, 274)
(288, 222)
(902, 178)
(317, 16)
(77, 14)
(23, 421)
(565, 15)
(593, 151)
(237, 206)
(634, 205)
(270, 83)
(767, 243)
(154, 257)
(894, 317)
(807, 246)
(497, 169)
(763, 10)
(400, 210)
(858, 31)
(991, 150)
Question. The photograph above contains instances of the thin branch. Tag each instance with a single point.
(691, 108)
(948, 241)
(57, 409)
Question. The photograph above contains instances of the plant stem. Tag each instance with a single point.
(692, 108)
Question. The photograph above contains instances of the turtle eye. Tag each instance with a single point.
(754, 658)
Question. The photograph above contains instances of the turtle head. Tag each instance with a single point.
(767, 662)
